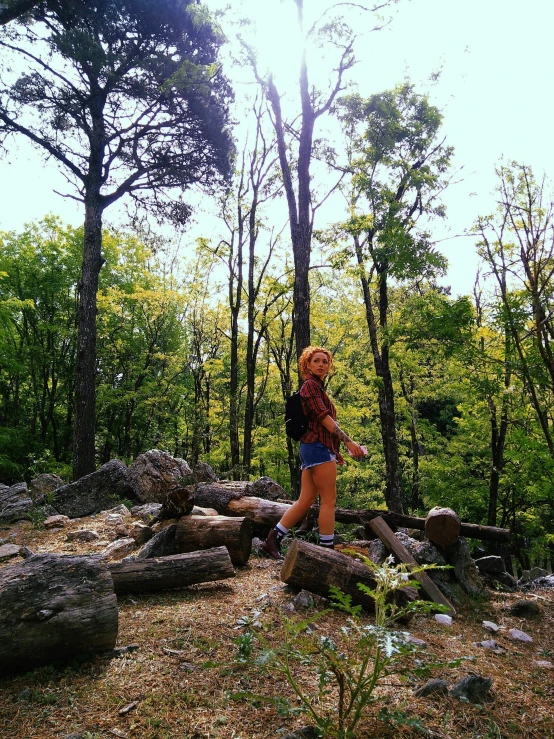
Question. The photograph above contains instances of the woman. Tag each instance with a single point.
(319, 453)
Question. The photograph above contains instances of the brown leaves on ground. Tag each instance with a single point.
(185, 681)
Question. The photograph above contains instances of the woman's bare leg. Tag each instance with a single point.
(324, 478)
(308, 496)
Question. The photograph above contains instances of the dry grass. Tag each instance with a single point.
(187, 684)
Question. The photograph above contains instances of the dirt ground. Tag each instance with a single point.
(184, 679)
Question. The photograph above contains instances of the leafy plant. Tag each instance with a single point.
(245, 645)
(346, 672)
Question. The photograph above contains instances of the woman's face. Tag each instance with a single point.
(318, 365)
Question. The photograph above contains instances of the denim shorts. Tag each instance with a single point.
(314, 454)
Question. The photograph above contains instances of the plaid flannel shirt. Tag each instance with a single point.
(316, 404)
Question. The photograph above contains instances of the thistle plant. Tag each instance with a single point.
(345, 672)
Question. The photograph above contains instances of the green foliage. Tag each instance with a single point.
(345, 673)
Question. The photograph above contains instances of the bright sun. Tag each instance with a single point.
(277, 37)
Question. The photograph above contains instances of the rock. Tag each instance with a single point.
(15, 503)
(95, 492)
(114, 519)
(427, 553)
(202, 472)
(55, 522)
(416, 642)
(118, 510)
(544, 663)
(26, 552)
(120, 531)
(534, 573)
(266, 488)
(82, 535)
(43, 484)
(518, 635)
(472, 688)
(377, 552)
(304, 599)
(154, 473)
(543, 582)
(119, 548)
(504, 578)
(161, 545)
(443, 619)
(149, 512)
(439, 687)
(491, 564)
(490, 626)
(140, 532)
(7, 551)
(489, 644)
(459, 556)
(525, 608)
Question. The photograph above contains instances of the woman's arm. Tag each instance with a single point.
(332, 426)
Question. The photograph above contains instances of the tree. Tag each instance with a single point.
(126, 96)
(39, 271)
(397, 163)
(517, 244)
(12, 9)
(295, 141)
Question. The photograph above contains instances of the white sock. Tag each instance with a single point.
(326, 540)
(281, 530)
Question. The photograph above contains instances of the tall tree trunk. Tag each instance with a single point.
(300, 215)
(85, 375)
(235, 294)
(250, 353)
(385, 393)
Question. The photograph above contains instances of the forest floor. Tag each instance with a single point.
(187, 681)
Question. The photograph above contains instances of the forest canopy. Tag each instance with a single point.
(193, 350)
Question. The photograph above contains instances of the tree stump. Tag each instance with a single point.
(53, 607)
(167, 573)
(314, 568)
(203, 532)
(442, 526)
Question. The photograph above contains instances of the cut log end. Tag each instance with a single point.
(442, 526)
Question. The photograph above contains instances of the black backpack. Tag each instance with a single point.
(296, 422)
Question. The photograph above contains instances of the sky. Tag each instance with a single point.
(494, 91)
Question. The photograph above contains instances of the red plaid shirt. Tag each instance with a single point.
(316, 404)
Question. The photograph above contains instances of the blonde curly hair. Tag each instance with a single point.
(306, 357)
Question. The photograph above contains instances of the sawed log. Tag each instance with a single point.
(442, 526)
(203, 532)
(167, 573)
(53, 607)
(316, 568)
(228, 499)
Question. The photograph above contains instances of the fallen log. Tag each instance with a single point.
(228, 500)
(442, 526)
(203, 532)
(388, 538)
(53, 607)
(314, 568)
(168, 573)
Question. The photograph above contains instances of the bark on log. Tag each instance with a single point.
(167, 573)
(203, 532)
(442, 526)
(53, 607)
(228, 500)
(315, 569)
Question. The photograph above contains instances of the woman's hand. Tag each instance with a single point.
(355, 450)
